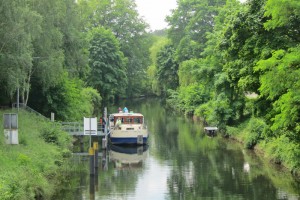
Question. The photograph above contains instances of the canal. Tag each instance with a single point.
(180, 162)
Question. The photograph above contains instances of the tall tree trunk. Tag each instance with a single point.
(26, 86)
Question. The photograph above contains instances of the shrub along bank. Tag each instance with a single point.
(254, 134)
(32, 169)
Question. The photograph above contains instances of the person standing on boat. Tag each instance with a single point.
(118, 122)
(120, 109)
(125, 110)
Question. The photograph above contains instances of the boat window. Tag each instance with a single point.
(128, 120)
(131, 120)
(138, 120)
(116, 118)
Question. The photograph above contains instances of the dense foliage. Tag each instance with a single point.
(121, 17)
(107, 77)
(53, 51)
(238, 64)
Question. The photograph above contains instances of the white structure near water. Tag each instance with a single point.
(10, 124)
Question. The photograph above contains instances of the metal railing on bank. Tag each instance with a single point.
(73, 128)
(27, 108)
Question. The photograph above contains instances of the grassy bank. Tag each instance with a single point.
(280, 150)
(31, 170)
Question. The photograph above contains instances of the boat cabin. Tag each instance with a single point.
(127, 118)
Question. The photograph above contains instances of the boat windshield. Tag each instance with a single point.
(131, 119)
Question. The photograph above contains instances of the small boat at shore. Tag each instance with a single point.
(211, 131)
(127, 128)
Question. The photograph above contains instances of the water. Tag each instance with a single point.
(181, 162)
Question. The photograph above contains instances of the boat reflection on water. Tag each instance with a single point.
(127, 157)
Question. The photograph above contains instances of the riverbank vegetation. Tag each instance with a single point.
(237, 67)
(34, 168)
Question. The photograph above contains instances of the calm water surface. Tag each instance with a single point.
(180, 162)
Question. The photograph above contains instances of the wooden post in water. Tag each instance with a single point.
(96, 148)
(92, 187)
(104, 163)
(104, 139)
(92, 160)
(104, 143)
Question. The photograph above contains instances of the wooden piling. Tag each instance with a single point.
(92, 187)
(92, 160)
(104, 143)
(96, 148)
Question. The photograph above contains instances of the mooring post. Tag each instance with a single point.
(96, 148)
(96, 179)
(92, 160)
(92, 187)
(104, 140)
(104, 143)
(104, 163)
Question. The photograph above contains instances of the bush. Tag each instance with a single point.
(254, 130)
(283, 151)
(250, 132)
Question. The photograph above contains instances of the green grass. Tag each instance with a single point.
(29, 170)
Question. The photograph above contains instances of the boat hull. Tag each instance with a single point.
(128, 140)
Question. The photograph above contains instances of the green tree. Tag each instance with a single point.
(48, 53)
(107, 62)
(282, 13)
(75, 44)
(159, 43)
(167, 68)
(204, 87)
(19, 27)
(122, 18)
(190, 23)
(283, 67)
(70, 100)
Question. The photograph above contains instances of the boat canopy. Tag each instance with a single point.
(128, 118)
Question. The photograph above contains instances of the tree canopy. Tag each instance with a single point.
(238, 62)
(47, 45)
(107, 62)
